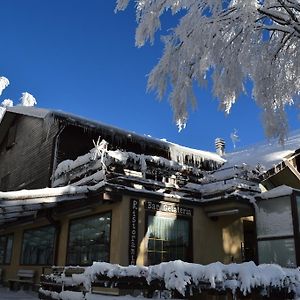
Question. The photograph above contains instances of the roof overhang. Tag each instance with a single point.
(233, 206)
(286, 175)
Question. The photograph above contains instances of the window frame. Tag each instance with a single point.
(190, 254)
(54, 245)
(86, 217)
(296, 221)
(5, 249)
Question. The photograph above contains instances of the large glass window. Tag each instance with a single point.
(38, 246)
(6, 244)
(89, 240)
(168, 239)
(279, 251)
(274, 218)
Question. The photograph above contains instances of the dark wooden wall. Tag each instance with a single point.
(26, 154)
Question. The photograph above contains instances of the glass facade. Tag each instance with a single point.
(6, 244)
(168, 239)
(38, 246)
(89, 240)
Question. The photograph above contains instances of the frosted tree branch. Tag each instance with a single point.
(27, 99)
(230, 42)
(4, 82)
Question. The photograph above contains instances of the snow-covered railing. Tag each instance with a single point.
(100, 158)
(184, 278)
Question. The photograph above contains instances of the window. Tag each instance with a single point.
(275, 232)
(89, 240)
(278, 251)
(168, 239)
(274, 218)
(38, 246)
(6, 243)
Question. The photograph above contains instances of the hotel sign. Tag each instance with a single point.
(169, 208)
(133, 230)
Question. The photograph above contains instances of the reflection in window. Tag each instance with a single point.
(6, 243)
(168, 239)
(279, 251)
(89, 240)
(38, 246)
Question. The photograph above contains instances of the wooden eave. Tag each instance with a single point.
(287, 175)
(5, 124)
(229, 206)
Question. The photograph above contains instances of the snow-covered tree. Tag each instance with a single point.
(7, 103)
(4, 82)
(232, 41)
(27, 99)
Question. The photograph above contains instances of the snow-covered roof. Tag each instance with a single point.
(177, 152)
(26, 203)
(266, 154)
(30, 111)
(279, 191)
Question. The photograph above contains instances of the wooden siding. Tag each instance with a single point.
(26, 162)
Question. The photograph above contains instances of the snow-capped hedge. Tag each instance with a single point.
(183, 277)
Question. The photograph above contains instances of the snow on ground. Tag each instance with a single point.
(6, 294)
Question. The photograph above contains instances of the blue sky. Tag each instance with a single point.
(79, 56)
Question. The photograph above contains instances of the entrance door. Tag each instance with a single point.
(249, 244)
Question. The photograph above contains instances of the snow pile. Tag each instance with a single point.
(181, 276)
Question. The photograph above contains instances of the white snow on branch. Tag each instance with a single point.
(231, 42)
(4, 82)
(27, 99)
(7, 103)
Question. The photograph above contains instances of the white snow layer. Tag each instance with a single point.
(6, 294)
(100, 152)
(279, 191)
(40, 193)
(266, 155)
(178, 275)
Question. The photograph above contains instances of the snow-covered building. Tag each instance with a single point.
(75, 191)
(277, 208)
